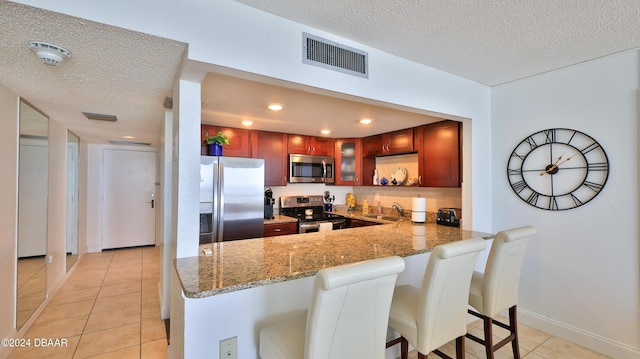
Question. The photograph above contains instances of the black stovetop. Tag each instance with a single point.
(318, 214)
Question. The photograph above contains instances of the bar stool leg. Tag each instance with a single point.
(513, 324)
(488, 336)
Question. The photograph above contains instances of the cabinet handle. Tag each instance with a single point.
(278, 230)
(420, 179)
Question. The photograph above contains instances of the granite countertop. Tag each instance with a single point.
(242, 264)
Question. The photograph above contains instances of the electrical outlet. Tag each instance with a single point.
(229, 348)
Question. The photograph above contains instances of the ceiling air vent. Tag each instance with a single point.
(331, 55)
(100, 117)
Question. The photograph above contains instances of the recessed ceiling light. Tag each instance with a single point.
(275, 107)
(247, 123)
(366, 121)
(129, 137)
(325, 132)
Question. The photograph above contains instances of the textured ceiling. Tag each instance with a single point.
(111, 71)
(129, 74)
(488, 41)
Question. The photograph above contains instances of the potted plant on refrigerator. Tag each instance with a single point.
(215, 143)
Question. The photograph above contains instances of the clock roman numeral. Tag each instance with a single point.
(598, 166)
(553, 203)
(531, 142)
(514, 172)
(575, 199)
(596, 187)
(533, 198)
(550, 136)
(590, 148)
(518, 186)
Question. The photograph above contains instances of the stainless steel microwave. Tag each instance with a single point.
(311, 169)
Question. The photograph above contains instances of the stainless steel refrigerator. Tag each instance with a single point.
(231, 198)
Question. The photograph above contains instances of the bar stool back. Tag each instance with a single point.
(496, 289)
(347, 318)
(436, 313)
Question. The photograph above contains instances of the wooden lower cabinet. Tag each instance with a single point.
(280, 229)
(272, 146)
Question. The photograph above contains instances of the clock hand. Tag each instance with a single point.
(553, 166)
(567, 159)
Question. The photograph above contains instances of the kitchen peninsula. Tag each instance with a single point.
(244, 285)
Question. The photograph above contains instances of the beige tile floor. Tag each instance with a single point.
(534, 344)
(108, 308)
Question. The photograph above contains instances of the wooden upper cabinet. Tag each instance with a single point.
(238, 137)
(272, 146)
(310, 145)
(391, 143)
(348, 160)
(439, 154)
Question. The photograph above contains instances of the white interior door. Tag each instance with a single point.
(128, 199)
(32, 199)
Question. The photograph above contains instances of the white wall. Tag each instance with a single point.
(233, 36)
(580, 278)
(8, 212)
(56, 212)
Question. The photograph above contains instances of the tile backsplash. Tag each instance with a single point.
(436, 197)
(386, 195)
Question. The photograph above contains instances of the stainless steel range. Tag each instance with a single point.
(309, 210)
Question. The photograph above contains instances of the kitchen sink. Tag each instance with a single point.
(384, 218)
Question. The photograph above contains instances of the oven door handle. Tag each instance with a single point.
(305, 226)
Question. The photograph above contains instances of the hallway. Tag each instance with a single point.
(108, 308)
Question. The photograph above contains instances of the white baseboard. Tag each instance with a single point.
(94, 248)
(578, 336)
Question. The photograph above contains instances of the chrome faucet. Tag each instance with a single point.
(398, 207)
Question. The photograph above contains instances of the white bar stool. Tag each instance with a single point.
(347, 318)
(496, 289)
(435, 314)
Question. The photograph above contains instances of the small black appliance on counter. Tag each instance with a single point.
(449, 216)
(268, 204)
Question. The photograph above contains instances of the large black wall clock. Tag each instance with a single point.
(558, 169)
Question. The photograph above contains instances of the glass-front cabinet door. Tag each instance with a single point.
(348, 155)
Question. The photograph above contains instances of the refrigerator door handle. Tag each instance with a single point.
(221, 201)
(215, 220)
